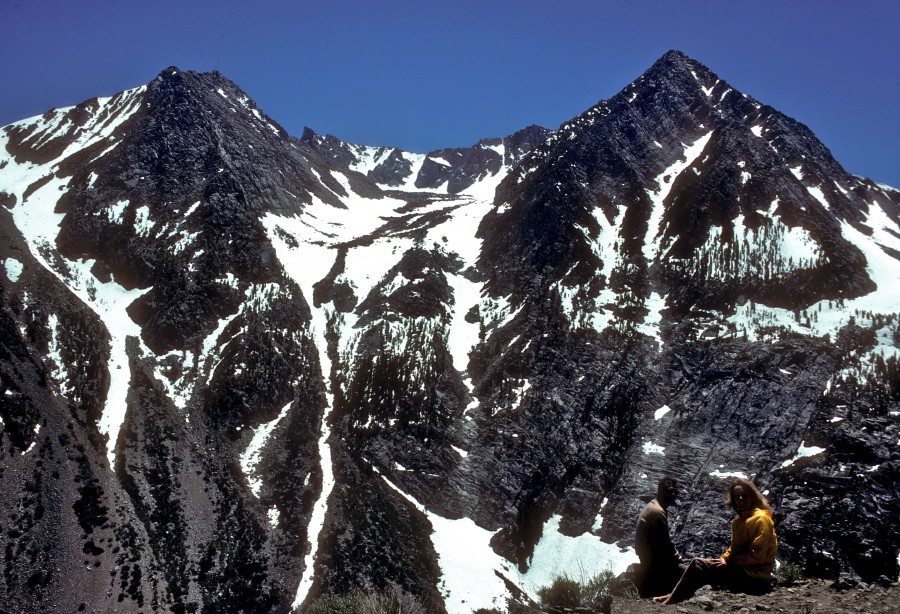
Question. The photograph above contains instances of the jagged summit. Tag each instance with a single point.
(675, 60)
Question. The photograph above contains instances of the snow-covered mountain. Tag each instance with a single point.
(243, 370)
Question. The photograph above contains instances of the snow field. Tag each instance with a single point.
(468, 563)
(110, 301)
(368, 158)
(580, 557)
(604, 246)
(108, 115)
(769, 252)
(417, 160)
(463, 336)
(365, 268)
(311, 260)
(466, 558)
(457, 235)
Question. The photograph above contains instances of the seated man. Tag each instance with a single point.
(661, 565)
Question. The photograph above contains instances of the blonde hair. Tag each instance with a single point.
(758, 500)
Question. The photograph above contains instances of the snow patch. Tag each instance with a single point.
(142, 223)
(728, 474)
(190, 210)
(665, 181)
(253, 454)
(655, 305)
(13, 269)
(651, 448)
(604, 246)
(803, 451)
(819, 196)
(598, 521)
(662, 411)
(114, 212)
(58, 371)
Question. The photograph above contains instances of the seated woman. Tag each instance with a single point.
(746, 567)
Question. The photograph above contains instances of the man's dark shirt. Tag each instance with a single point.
(652, 542)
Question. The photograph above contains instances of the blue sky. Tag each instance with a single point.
(425, 75)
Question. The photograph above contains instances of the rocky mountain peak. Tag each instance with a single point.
(680, 157)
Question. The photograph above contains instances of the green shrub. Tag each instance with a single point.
(597, 587)
(567, 592)
(563, 592)
(787, 574)
(334, 605)
(393, 600)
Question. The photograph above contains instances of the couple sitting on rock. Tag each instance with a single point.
(746, 566)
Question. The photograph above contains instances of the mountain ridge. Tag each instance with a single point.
(366, 364)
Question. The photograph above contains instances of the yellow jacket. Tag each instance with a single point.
(753, 544)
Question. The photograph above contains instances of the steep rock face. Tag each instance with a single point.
(243, 370)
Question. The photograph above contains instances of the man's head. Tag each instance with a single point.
(667, 491)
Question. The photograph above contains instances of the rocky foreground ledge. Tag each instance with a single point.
(807, 597)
